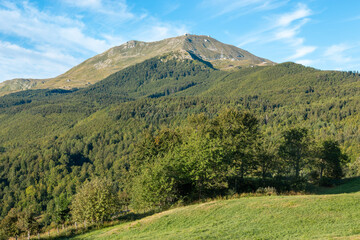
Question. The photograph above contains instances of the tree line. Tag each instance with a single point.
(227, 154)
(206, 157)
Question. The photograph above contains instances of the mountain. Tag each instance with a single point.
(205, 48)
(17, 84)
(53, 140)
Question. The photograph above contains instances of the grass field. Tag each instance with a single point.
(326, 216)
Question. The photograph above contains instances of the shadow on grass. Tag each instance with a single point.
(72, 232)
(346, 185)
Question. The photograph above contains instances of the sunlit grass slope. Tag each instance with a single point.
(271, 217)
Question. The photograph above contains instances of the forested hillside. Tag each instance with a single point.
(52, 141)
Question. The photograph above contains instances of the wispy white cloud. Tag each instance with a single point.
(288, 27)
(290, 32)
(285, 28)
(41, 28)
(302, 51)
(46, 44)
(42, 62)
(171, 7)
(241, 7)
(60, 41)
(306, 62)
(285, 33)
(117, 8)
(156, 30)
(94, 4)
(113, 40)
(337, 53)
(336, 57)
(300, 13)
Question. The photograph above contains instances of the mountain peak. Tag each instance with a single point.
(205, 48)
(202, 46)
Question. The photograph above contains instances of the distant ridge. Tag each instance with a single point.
(220, 55)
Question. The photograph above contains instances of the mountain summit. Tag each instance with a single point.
(200, 47)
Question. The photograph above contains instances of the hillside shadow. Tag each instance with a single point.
(346, 185)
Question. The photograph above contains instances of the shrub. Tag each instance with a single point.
(266, 191)
(94, 202)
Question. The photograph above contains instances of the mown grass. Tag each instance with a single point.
(268, 217)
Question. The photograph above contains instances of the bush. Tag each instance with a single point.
(267, 191)
(94, 202)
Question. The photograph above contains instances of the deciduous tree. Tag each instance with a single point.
(95, 201)
(294, 148)
(330, 160)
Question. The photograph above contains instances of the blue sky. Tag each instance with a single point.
(41, 39)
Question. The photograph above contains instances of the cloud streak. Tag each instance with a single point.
(337, 53)
(336, 56)
(54, 42)
(109, 8)
(302, 51)
(93, 4)
(285, 28)
(156, 30)
(285, 31)
(41, 28)
(48, 60)
(288, 18)
(240, 7)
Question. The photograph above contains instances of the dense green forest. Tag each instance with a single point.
(202, 131)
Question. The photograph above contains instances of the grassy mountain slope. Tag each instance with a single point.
(18, 84)
(275, 217)
(221, 55)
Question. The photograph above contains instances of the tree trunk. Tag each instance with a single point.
(321, 172)
(75, 225)
(263, 173)
(28, 235)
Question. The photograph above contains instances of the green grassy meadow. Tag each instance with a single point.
(325, 216)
